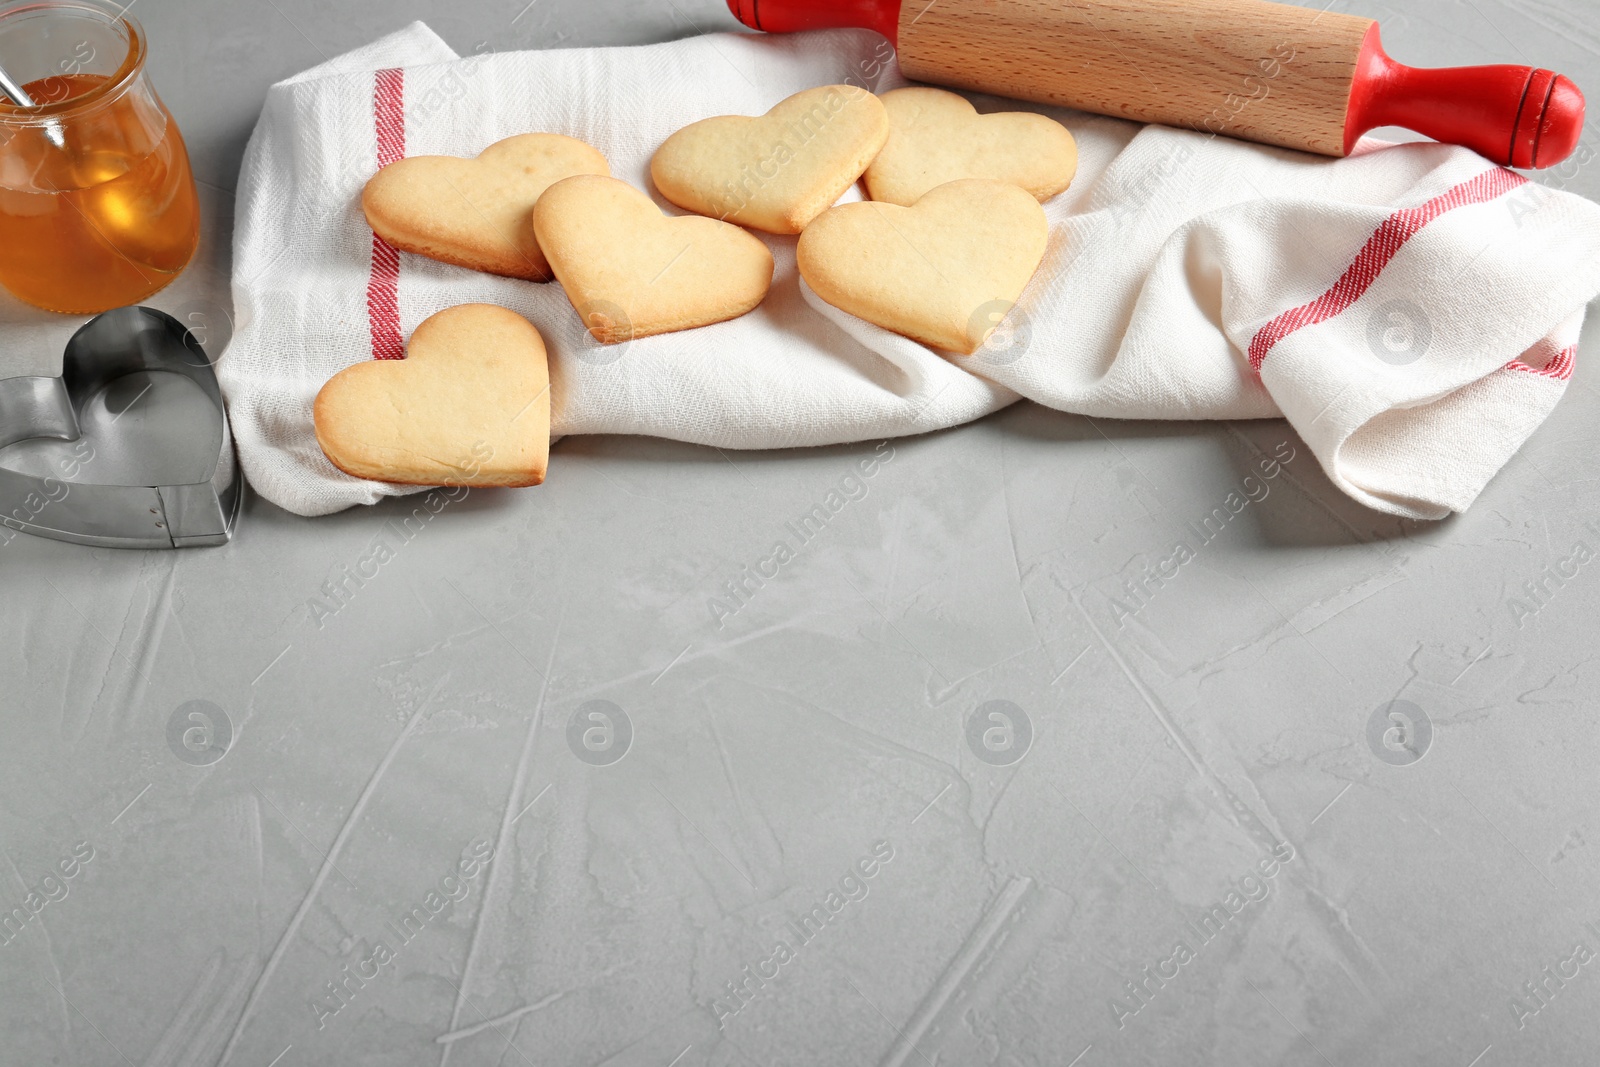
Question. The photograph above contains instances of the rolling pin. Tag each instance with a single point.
(1267, 72)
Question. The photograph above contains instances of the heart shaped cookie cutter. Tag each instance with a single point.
(169, 478)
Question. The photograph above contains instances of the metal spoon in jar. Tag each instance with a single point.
(20, 97)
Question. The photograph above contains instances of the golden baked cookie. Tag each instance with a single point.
(469, 405)
(937, 137)
(943, 271)
(476, 212)
(779, 171)
(631, 271)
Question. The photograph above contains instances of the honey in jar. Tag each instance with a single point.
(97, 203)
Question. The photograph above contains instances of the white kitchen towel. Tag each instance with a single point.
(1412, 310)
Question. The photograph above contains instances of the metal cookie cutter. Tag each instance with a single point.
(129, 448)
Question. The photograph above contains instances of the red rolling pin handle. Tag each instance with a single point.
(1516, 116)
(789, 16)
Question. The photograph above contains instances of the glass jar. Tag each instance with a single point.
(97, 202)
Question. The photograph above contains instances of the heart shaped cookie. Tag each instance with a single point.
(937, 137)
(476, 212)
(631, 271)
(469, 405)
(943, 271)
(777, 172)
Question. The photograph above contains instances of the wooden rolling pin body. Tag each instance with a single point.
(1267, 72)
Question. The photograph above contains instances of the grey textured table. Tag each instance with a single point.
(398, 831)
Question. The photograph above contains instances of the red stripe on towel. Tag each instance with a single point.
(1384, 244)
(383, 284)
(1559, 367)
